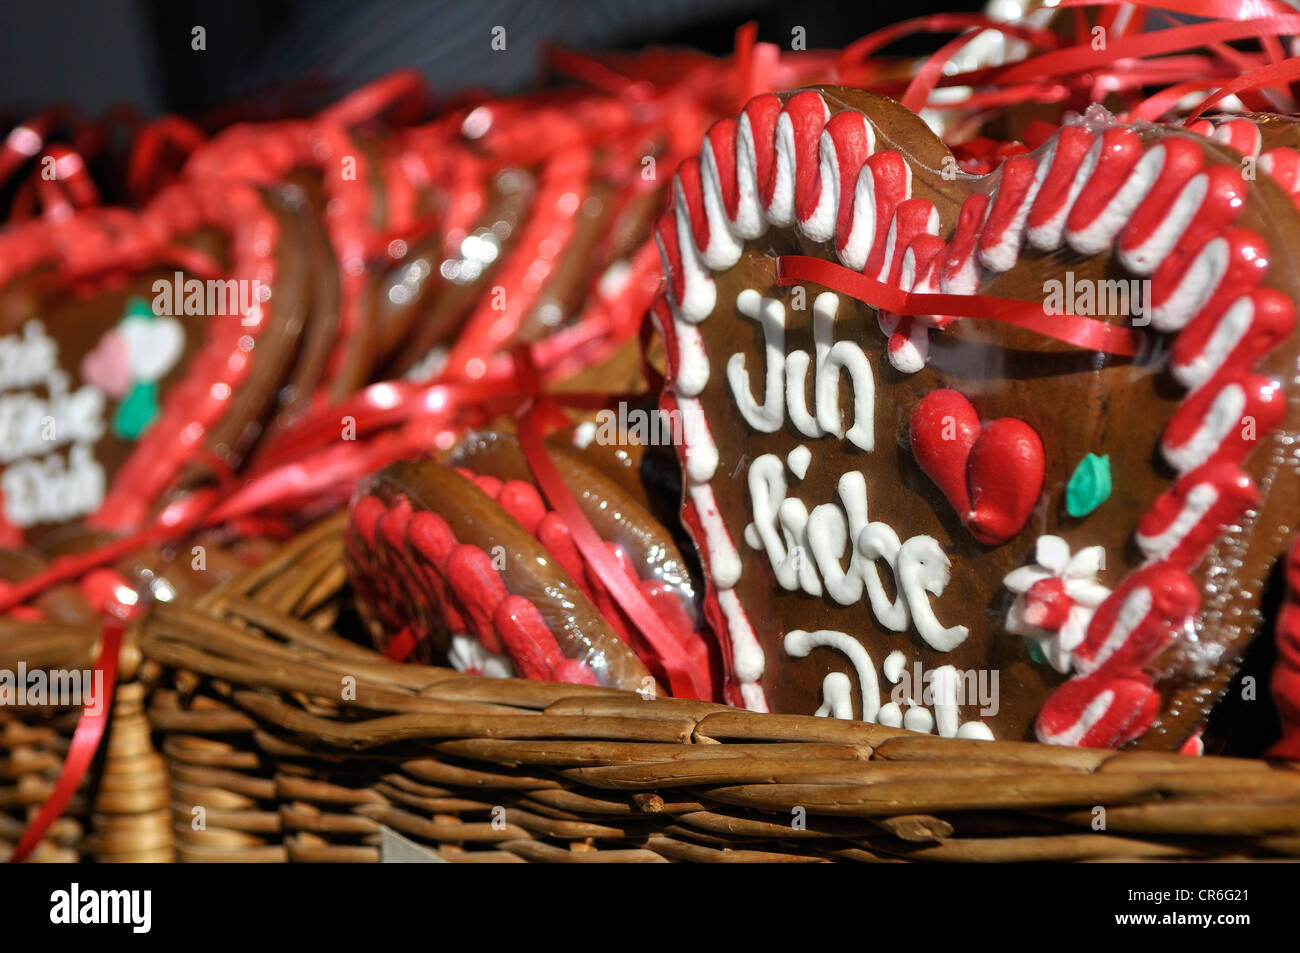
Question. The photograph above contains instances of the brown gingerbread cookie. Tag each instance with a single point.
(346, 181)
(138, 351)
(467, 561)
(1058, 524)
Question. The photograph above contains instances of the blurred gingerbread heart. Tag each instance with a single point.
(472, 565)
(137, 348)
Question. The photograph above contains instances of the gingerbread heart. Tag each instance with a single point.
(1119, 304)
(469, 564)
(137, 349)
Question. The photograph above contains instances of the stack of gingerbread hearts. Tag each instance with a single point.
(149, 352)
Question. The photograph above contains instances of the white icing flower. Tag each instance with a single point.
(153, 345)
(1055, 598)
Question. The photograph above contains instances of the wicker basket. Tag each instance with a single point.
(121, 811)
(287, 742)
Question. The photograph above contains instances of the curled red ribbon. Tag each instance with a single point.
(857, 52)
(1083, 57)
(404, 90)
(1280, 72)
(1073, 329)
(72, 567)
(1210, 9)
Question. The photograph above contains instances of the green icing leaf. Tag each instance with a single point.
(137, 307)
(1089, 486)
(137, 412)
(1035, 651)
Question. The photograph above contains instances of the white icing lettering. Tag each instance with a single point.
(806, 552)
(799, 643)
(39, 483)
(945, 689)
(27, 359)
(923, 567)
(768, 416)
(790, 372)
(48, 490)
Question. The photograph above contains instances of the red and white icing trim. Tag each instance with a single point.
(1095, 186)
(688, 369)
(1281, 163)
(412, 560)
(418, 577)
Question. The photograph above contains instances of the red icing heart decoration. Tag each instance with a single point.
(991, 476)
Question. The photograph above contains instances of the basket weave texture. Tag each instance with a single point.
(271, 738)
(286, 742)
(121, 813)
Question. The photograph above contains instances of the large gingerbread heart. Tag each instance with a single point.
(1072, 540)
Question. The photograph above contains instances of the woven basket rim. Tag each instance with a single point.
(718, 778)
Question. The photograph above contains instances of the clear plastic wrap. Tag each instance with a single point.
(468, 561)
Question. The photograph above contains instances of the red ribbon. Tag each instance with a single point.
(748, 82)
(1210, 9)
(684, 681)
(164, 135)
(927, 77)
(73, 567)
(1072, 329)
(1076, 59)
(70, 189)
(1286, 70)
(591, 72)
(857, 52)
(404, 91)
(85, 741)
(1127, 51)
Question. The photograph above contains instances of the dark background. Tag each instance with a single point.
(291, 55)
